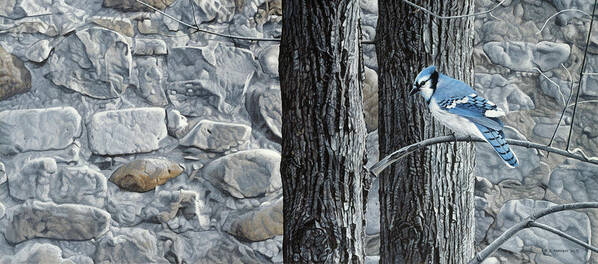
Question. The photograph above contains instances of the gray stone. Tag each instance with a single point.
(550, 55)
(269, 60)
(126, 207)
(560, 91)
(3, 176)
(16, 78)
(563, 18)
(246, 174)
(33, 179)
(177, 123)
(148, 26)
(589, 85)
(150, 47)
(370, 99)
(270, 107)
(152, 80)
(575, 182)
(503, 93)
(38, 253)
(269, 248)
(372, 213)
(95, 62)
(39, 51)
(35, 219)
(525, 56)
(127, 131)
(178, 209)
(554, 248)
(482, 220)
(492, 167)
(121, 25)
(214, 10)
(2, 210)
(133, 6)
(209, 79)
(128, 245)
(81, 185)
(514, 55)
(259, 224)
(217, 136)
(38, 129)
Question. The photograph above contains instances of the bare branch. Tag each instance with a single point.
(564, 108)
(526, 223)
(564, 235)
(206, 31)
(196, 27)
(553, 82)
(451, 17)
(556, 14)
(583, 67)
(404, 151)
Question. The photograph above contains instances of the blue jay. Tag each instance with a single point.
(458, 107)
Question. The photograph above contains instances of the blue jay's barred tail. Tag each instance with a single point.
(497, 140)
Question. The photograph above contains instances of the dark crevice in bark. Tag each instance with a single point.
(323, 132)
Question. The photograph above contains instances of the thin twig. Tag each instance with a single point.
(556, 14)
(206, 31)
(526, 223)
(451, 17)
(564, 108)
(553, 82)
(583, 67)
(564, 235)
(404, 151)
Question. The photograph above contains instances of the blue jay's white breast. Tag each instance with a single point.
(458, 124)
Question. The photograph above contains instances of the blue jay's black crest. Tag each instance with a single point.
(458, 107)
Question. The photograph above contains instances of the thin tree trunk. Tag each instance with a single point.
(323, 132)
(426, 200)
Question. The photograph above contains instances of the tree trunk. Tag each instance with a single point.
(426, 200)
(323, 132)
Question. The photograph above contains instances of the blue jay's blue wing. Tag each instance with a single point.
(484, 114)
(498, 142)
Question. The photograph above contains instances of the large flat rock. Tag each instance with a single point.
(244, 174)
(217, 136)
(209, 79)
(38, 129)
(127, 131)
(35, 219)
(95, 62)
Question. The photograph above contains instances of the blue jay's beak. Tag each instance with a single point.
(414, 90)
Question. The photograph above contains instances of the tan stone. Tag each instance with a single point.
(121, 25)
(14, 77)
(145, 174)
(264, 223)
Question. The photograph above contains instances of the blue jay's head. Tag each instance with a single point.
(425, 82)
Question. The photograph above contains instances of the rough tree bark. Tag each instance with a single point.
(426, 200)
(323, 132)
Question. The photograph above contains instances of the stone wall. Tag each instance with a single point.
(126, 137)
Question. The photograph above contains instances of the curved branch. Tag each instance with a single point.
(526, 223)
(404, 151)
(564, 235)
(203, 30)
